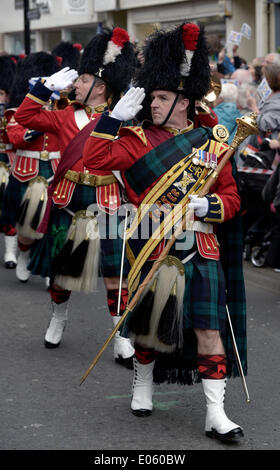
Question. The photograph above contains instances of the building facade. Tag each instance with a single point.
(79, 20)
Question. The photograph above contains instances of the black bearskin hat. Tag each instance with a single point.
(36, 64)
(7, 72)
(110, 56)
(69, 53)
(175, 60)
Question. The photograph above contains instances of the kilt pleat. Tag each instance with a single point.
(52, 242)
(15, 191)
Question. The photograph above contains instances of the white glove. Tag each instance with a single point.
(62, 79)
(200, 205)
(129, 105)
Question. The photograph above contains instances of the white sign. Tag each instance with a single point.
(229, 80)
(264, 89)
(246, 30)
(77, 6)
(235, 37)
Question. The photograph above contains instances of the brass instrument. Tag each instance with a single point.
(62, 103)
(213, 93)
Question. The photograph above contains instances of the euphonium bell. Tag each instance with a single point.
(212, 95)
(62, 103)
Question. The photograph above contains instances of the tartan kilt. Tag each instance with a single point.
(203, 307)
(52, 242)
(15, 191)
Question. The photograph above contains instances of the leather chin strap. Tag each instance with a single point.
(90, 90)
(171, 110)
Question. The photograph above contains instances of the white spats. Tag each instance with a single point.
(217, 423)
(142, 389)
(10, 255)
(57, 325)
(22, 273)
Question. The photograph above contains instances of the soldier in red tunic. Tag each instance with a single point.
(35, 161)
(7, 73)
(179, 324)
(105, 72)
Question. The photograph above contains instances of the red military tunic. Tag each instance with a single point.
(121, 154)
(5, 145)
(65, 125)
(31, 147)
(101, 153)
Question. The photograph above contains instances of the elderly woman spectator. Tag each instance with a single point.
(226, 108)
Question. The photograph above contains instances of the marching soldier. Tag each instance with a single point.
(36, 159)
(7, 72)
(68, 253)
(180, 323)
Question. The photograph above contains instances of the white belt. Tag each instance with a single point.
(43, 155)
(5, 146)
(198, 226)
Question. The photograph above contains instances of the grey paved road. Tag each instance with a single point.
(43, 407)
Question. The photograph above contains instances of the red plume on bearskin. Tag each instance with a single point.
(115, 45)
(78, 46)
(120, 36)
(190, 33)
(59, 60)
(175, 60)
(110, 56)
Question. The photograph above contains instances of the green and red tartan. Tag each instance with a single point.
(210, 285)
(157, 161)
(52, 243)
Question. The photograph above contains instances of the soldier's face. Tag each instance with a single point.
(4, 97)
(82, 86)
(162, 101)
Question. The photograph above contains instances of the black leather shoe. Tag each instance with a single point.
(234, 434)
(51, 345)
(142, 413)
(10, 265)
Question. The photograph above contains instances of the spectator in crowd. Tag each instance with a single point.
(226, 108)
(255, 69)
(269, 111)
(272, 58)
(271, 195)
(225, 64)
(260, 151)
(242, 75)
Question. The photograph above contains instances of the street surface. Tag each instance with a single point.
(44, 407)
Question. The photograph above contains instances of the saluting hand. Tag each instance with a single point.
(129, 105)
(62, 79)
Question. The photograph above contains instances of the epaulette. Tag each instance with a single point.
(136, 130)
